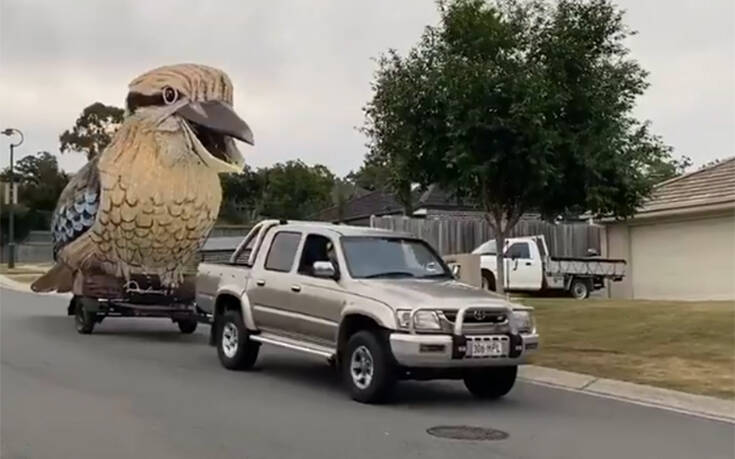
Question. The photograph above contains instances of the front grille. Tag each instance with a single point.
(474, 324)
(478, 316)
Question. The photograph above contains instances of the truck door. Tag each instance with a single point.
(320, 300)
(523, 267)
(274, 279)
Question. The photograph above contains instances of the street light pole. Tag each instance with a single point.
(12, 198)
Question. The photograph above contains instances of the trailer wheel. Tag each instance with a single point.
(84, 320)
(580, 288)
(187, 326)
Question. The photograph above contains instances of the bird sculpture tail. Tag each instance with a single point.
(60, 278)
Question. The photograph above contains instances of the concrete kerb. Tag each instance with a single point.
(681, 402)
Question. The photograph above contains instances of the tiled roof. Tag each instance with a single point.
(437, 198)
(372, 203)
(711, 185)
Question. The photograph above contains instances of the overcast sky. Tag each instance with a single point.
(302, 69)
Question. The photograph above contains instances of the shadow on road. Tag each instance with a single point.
(158, 330)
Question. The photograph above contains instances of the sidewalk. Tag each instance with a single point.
(681, 402)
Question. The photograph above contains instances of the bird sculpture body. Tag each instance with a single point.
(146, 204)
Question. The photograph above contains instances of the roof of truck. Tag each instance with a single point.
(344, 230)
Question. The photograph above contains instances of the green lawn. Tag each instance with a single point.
(688, 346)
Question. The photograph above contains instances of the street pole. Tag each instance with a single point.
(12, 198)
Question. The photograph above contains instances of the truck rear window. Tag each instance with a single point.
(282, 251)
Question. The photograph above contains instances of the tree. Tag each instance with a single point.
(40, 181)
(93, 130)
(295, 191)
(242, 196)
(518, 106)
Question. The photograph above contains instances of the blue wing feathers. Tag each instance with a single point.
(77, 207)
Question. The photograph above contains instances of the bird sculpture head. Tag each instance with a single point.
(196, 101)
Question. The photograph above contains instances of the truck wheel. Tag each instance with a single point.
(580, 289)
(489, 383)
(367, 369)
(84, 320)
(488, 281)
(187, 326)
(235, 350)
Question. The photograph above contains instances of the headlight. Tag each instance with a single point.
(426, 320)
(524, 322)
(423, 320)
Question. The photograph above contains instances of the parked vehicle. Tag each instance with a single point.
(380, 306)
(529, 268)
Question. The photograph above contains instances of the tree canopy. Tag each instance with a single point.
(291, 190)
(40, 181)
(93, 130)
(518, 106)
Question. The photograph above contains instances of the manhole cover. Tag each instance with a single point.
(467, 433)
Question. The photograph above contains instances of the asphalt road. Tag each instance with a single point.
(139, 389)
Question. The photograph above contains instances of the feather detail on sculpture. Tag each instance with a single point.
(146, 204)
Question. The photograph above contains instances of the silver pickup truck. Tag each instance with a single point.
(380, 306)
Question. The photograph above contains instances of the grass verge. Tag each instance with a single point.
(687, 346)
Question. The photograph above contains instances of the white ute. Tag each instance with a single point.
(529, 268)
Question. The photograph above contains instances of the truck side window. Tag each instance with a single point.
(316, 248)
(518, 250)
(282, 251)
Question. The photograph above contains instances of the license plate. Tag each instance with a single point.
(482, 348)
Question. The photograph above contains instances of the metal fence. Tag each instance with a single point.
(452, 236)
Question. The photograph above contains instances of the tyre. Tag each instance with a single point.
(488, 281)
(490, 383)
(580, 289)
(187, 326)
(84, 319)
(367, 369)
(234, 348)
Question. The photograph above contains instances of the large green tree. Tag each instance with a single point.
(290, 190)
(40, 181)
(518, 106)
(295, 190)
(93, 130)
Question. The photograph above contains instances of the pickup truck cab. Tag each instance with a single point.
(380, 306)
(529, 268)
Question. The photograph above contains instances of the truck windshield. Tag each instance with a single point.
(387, 257)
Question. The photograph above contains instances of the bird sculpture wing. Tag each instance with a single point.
(77, 207)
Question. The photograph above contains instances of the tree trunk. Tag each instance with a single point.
(500, 260)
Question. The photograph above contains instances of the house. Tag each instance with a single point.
(681, 243)
(432, 202)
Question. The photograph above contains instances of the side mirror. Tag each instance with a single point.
(325, 270)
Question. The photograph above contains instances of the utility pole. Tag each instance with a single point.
(13, 198)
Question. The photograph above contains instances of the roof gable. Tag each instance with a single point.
(711, 185)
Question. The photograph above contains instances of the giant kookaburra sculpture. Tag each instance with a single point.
(146, 204)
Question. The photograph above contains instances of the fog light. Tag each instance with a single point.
(431, 347)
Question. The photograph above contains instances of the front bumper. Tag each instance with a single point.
(449, 351)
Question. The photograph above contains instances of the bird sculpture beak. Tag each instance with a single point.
(214, 122)
(218, 117)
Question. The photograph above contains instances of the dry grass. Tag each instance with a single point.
(688, 346)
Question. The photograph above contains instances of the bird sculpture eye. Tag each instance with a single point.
(170, 95)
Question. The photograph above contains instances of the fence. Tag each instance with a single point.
(451, 236)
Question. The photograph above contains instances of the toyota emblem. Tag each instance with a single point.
(479, 314)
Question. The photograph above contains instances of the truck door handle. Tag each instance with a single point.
(296, 288)
(260, 282)
(528, 263)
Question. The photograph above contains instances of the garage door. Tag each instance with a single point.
(687, 260)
